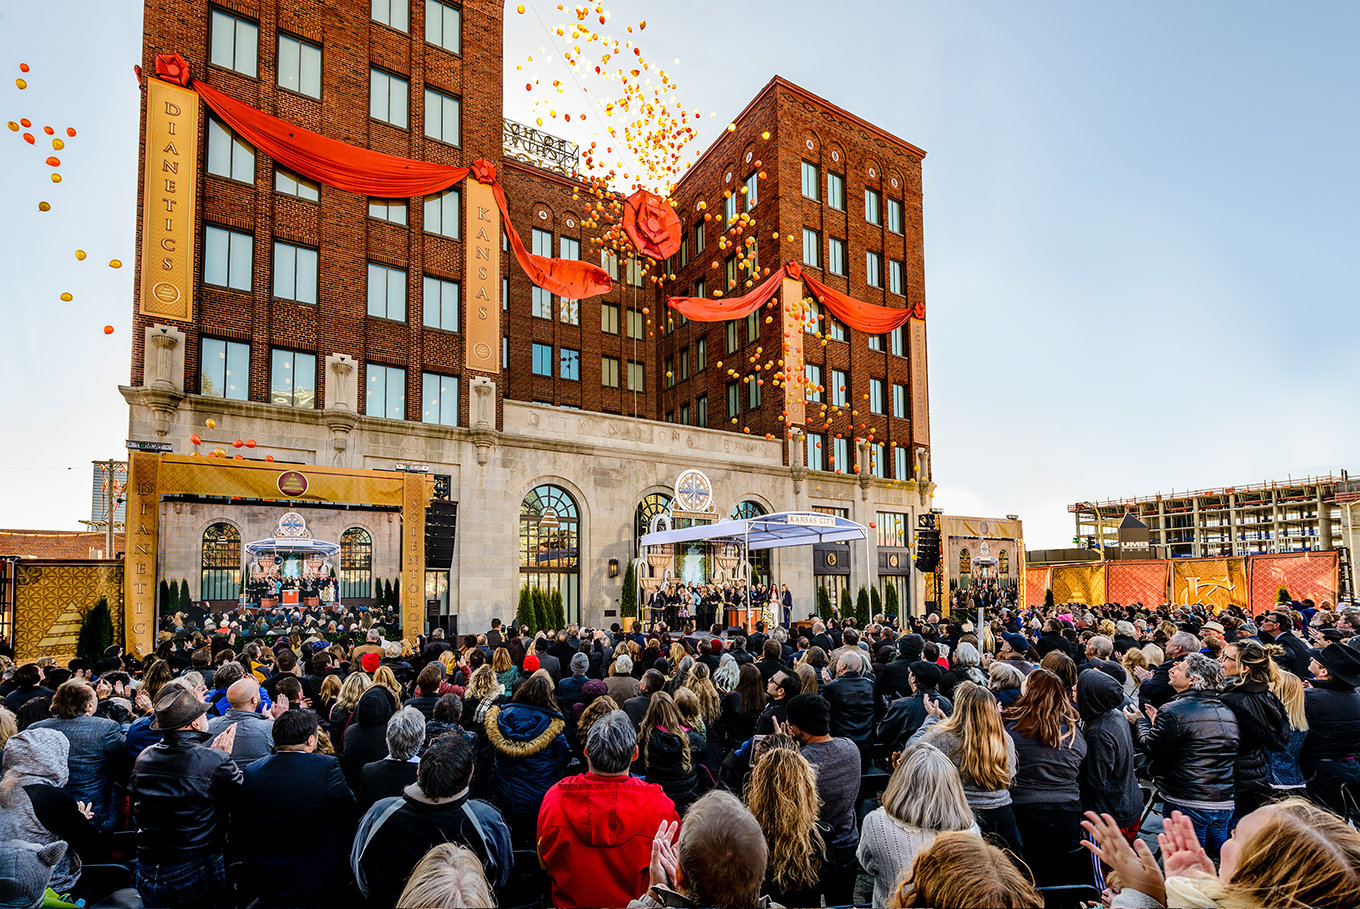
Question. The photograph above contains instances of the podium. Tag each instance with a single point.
(290, 597)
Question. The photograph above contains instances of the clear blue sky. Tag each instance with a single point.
(1138, 219)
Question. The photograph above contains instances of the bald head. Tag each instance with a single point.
(244, 694)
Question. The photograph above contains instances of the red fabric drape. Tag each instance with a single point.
(651, 224)
(330, 161)
(861, 316)
(702, 309)
(570, 278)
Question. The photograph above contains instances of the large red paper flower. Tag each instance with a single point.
(172, 68)
(651, 224)
(483, 171)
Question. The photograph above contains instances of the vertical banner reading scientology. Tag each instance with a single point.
(482, 282)
(169, 186)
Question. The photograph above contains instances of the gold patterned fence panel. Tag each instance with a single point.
(52, 598)
(1215, 583)
(1079, 584)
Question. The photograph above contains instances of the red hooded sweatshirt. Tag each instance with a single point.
(595, 838)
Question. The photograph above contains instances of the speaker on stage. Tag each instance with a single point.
(441, 529)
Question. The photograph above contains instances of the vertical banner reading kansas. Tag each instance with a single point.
(169, 186)
(482, 282)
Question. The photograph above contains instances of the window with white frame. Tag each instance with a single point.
(840, 450)
(895, 283)
(873, 269)
(701, 288)
(229, 155)
(299, 66)
(543, 360)
(443, 214)
(815, 461)
(292, 378)
(636, 376)
(894, 216)
(840, 388)
(609, 372)
(290, 184)
(812, 181)
(873, 206)
(224, 369)
(295, 272)
(439, 399)
(701, 355)
(570, 310)
(439, 300)
(812, 316)
(753, 327)
(876, 343)
(569, 364)
(733, 399)
(387, 97)
(812, 379)
(541, 300)
(895, 344)
(392, 13)
(234, 43)
(698, 237)
(385, 394)
(900, 470)
(668, 367)
(684, 363)
(875, 396)
(609, 318)
(444, 25)
(833, 328)
(393, 210)
(228, 257)
(877, 466)
(751, 189)
(386, 292)
(835, 191)
(899, 401)
(443, 116)
(701, 410)
(731, 331)
(812, 248)
(635, 324)
(729, 209)
(835, 256)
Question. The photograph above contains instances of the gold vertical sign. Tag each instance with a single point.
(169, 186)
(482, 283)
(791, 293)
(920, 401)
(139, 551)
(416, 496)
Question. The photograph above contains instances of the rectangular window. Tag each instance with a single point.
(875, 396)
(731, 329)
(751, 190)
(542, 244)
(543, 360)
(569, 248)
(753, 327)
(729, 274)
(393, 13)
(299, 66)
(835, 329)
(877, 467)
(440, 303)
(873, 206)
(229, 155)
(812, 248)
(633, 271)
(701, 355)
(894, 216)
(668, 380)
(812, 380)
(290, 184)
(684, 249)
(386, 392)
(609, 372)
(635, 324)
(387, 95)
(505, 352)
(892, 528)
(899, 401)
(835, 191)
(698, 238)
(701, 288)
(234, 43)
(609, 261)
(840, 388)
(569, 364)
(443, 213)
(895, 277)
(227, 258)
(224, 369)
(505, 294)
(895, 342)
(835, 256)
(292, 379)
(542, 302)
(812, 181)
(840, 454)
(443, 117)
(444, 25)
(752, 394)
(733, 399)
(386, 292)
(684, 363)
(812, 321)
(876, 343)
(900, 463)
(729, 209)
(294, 272)
(873, 269)
(701, 411)
(814, 452)
(636, 377)
(684, 414)
(609, 318)
(393, 210)
(439, 399)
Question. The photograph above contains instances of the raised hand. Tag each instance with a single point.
(1136, 864)
(661, 870)
(226, 739)
(1181, 851)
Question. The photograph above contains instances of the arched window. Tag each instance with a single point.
(221, 577)
(748, 509)
(356, 564)
(652, 504)
(549, 545)
(965, 561)
(760, 558)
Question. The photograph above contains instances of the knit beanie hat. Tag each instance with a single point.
(369, 662)
(810, 713)
(531, 663)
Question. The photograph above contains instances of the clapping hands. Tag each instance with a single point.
(661, 870)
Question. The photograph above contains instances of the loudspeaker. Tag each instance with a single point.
(441, 528)
(927, 550)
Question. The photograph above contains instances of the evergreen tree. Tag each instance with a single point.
(185, 601)
(387, 599)
(628, 603)
(1048, 598)
(540, 622)
(96, 632)
(847, 605)
(163, 596)
(823, 602)
(862, 614)
(890, 604)
(396, 594)
(875, 602)
(559, 615)
(524, 614)
(1282, 596)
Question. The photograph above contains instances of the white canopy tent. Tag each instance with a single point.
(769, 531)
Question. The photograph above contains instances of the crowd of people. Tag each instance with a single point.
(921, 763)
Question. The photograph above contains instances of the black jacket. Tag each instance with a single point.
(894, 681)
(1123, 643)
(904, 717)
(366, 738)
(734, 726)
(1157, 690)
(1050, 641)
(1295, 658)
(1192, 747)
(853, 709)
(1333, 712)
(305, 793)
(1107, 780)
(182, 793)
(384, 779)
(1262, 727)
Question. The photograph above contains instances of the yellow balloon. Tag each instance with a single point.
(21, 83)
(80, 255)
(210, 423)
(56, 178)
(114, 263)
(58, 144)
(66, 298)
(44, 206)
(520, 9)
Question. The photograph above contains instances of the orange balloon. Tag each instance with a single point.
(49, 130)
(250, 443)
(71, 131)
(53, 161)
(269, 457)
(108, 329)
(196, 439)
(239, 457)
(28, 137)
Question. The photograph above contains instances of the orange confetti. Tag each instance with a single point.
(25, 122)
(28, 137)
(49, 130)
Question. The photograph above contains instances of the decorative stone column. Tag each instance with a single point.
(162, 388)
(340, 414)
(798, 459)
(484, 432)
(865, 471)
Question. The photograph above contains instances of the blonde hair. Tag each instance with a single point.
(1132, 659)
(710, 702)
(1289, 689)
(925, 791)
(8, 726)
(598, 708)
(351, 690)
(959, 870)
(500, 660)
(387, 679)
(782, 794)
(483, 683)
(1301, 856)
(983, 758)
(687, 702)
(1155, 655)
(447, 877)
(808, 676)
(330, 687)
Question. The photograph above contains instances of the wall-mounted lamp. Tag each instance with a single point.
(613, 568)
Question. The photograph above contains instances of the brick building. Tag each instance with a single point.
(330, 328)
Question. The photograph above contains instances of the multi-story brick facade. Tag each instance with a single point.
(329, 275)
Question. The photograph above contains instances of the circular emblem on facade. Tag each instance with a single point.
(542, 216)
(292, 527)
(748, 157)
(693, 491)
(292, 483)
(892, 560)
(571, 222)
(811, 145)
(984, 527)
(894, 183)
(727, 177)
(482, 350)
(873, 172)
(831, 558)
(165, 292)
(835, 155)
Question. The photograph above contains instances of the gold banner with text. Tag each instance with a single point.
(415, 498)
(482, 281)
(920, 401)
(169, 190)
(795, 385)
(140, 547)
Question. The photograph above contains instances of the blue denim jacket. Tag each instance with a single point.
(96, 743)
(1284, 765)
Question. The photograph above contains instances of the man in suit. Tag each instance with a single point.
(786, 599)
(494, 638)
(297, 789)
(547, 661)
(1277, 628)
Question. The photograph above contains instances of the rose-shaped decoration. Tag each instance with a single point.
(483, 171)
(651, 225)
(172, 68)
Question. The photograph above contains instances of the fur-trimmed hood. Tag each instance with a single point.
(522, 730)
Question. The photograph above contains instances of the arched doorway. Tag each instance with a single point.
(220, 580)
(549, 545)
(356, 564)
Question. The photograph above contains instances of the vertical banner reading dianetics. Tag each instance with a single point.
(795, 384)
(482, 281)
(169, 190)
